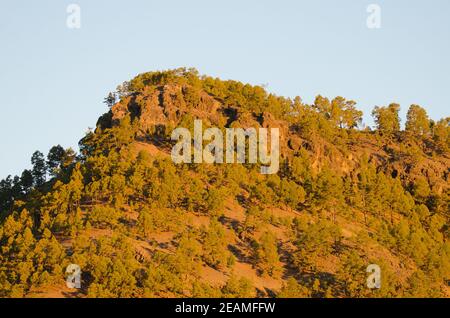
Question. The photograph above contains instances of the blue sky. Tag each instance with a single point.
(53, 79)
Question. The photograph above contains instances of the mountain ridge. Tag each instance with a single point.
(139, 225)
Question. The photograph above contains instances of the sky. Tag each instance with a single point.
(53, 79)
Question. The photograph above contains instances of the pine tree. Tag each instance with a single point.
(39, 170)
(441, 134)
(387, 118)
(215, 252)
(110, 100)
(266, 255)
(352, 275)
(417, 122)
(292, 289)
(26, 180)
(238, 288)
(54, 159)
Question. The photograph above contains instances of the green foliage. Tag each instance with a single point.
(291, 193)
(238, 288)
(266, 255)
(215, 252)
(110, 100)
(158, 220)
(140, 226)
(417, 121)
(352, 275)
(312, 241)
(255, 219)
(387, 119)
(328, 190)
(214, 201)
(54, 159)
(39, 169)
(341, 112)
(27, 261)
(292, 289)
(421, 189)
(111, 274)
(104, 216)
(26, 180)
(441, 134)
(203, 290)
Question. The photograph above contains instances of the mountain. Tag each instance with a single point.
(137, 224)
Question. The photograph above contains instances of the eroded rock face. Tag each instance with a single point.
(166, 107)
(269, 121)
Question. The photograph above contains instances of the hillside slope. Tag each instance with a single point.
(139, 225)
